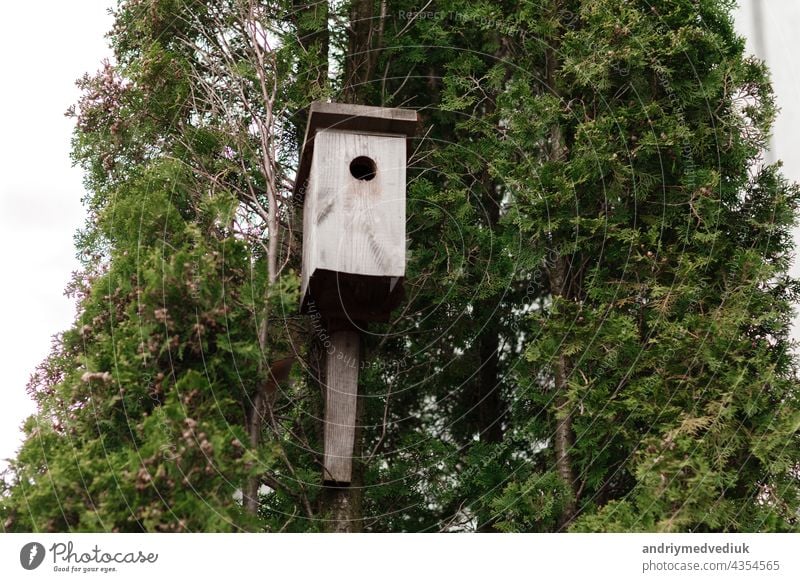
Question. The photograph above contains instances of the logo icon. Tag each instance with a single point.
(31, 555)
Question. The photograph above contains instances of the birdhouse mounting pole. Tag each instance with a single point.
(341, 399)
(352, 182)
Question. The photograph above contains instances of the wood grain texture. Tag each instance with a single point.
(352, 117)
(340, 406)
(348, 117)
(349, 225)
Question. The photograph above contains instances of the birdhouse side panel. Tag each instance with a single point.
(309, 237)
(359, 203)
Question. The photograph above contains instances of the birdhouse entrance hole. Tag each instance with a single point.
(363, 168)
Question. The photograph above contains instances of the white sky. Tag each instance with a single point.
(44, 47)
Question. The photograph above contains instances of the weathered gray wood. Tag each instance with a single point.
(349, 225)
(340, 406)
(348, 117)
(352, 117)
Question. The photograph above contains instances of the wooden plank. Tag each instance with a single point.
(351, 117)
(358, 225)
(355, 226)
(309, 242)
(340, 406)
(357, 118)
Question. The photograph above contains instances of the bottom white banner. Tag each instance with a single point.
(390, 557)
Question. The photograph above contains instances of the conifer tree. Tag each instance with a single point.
(596, 330)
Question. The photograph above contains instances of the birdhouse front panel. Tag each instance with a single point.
(355, 205)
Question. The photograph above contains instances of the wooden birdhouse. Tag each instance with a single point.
(352, 178)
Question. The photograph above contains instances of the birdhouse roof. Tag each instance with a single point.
(348, 117)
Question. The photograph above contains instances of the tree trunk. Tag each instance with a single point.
(561, 287)
(490, 407)
(563, 439)
(361, 54)
(344, 516)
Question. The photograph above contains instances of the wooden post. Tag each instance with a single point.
(352, 181)
(341, 399)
